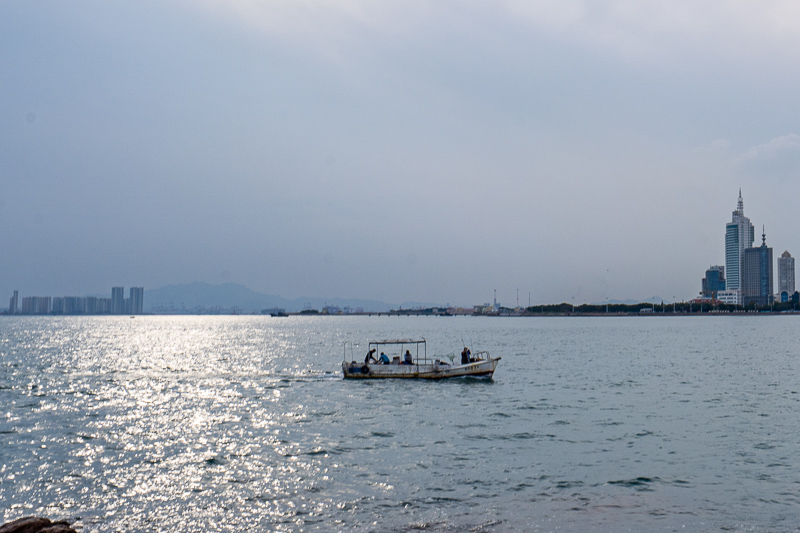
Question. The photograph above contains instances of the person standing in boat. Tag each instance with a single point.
(407, 358)
(370, 357)
(465, 353)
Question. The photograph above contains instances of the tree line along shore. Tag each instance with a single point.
(566, 309)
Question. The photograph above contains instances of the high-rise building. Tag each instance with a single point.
(757, 274)
(13, 305)
(739, 236)
(103, 306)
(786, 273)
(117, 300)
(137, 300)
(714, 282)
(37, 305)
(44, 306)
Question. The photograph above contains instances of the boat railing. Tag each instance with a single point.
(352, 356)
(483, 355)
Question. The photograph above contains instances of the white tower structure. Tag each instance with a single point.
(739, 235)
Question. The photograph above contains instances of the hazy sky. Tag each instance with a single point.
(393, 150)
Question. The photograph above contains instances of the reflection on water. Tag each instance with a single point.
(232, 423)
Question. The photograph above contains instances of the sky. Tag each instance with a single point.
(566, 151)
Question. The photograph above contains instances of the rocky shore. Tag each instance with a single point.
(36, 524)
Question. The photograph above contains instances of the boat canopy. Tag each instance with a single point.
(398, 341)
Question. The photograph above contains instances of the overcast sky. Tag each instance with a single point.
(393, 150)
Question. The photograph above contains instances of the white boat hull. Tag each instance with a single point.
(355, 370)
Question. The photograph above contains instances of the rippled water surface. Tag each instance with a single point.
(244, 423)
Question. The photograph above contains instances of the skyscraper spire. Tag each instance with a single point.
(763, 236)
(740, 204)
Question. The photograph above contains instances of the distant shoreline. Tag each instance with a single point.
(423, 314)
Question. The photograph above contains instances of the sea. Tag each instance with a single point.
(244, 423)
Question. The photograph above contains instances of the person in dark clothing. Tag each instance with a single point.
(370, 357)
(407, 358)
(465, 353)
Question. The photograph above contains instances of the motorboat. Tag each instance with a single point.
(402, 363)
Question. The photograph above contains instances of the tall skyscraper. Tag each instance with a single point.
(117, 300)
(757, 274)
(137, 300)
(739, 236)
(786, 273)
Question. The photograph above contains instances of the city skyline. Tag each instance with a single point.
(117, 304)
(750, 279)
(578, 151)
(748, 275)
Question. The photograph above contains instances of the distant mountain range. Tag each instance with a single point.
(199, 297)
